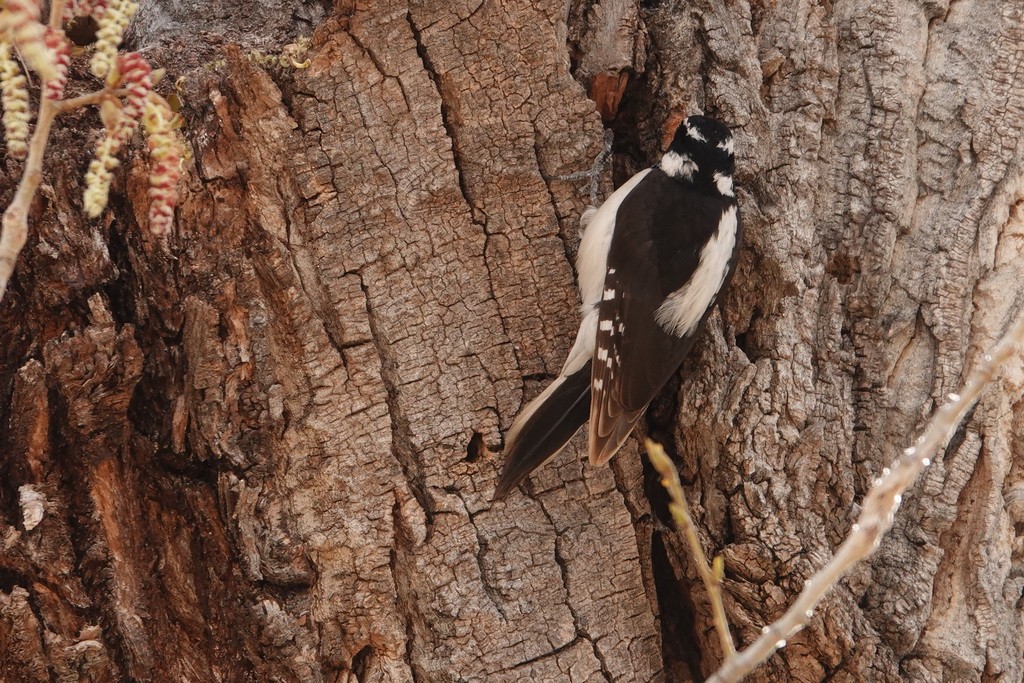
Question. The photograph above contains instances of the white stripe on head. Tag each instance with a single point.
(694, 133)
(678, 165)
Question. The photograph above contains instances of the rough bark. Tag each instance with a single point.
(265, 450)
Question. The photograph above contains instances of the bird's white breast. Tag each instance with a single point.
(683, 309)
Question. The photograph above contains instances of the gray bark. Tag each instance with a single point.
(265, 450)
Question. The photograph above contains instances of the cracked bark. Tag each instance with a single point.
(265, 451)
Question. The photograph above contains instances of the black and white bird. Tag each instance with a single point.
(652, 261)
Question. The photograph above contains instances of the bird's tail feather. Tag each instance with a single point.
(603, 446)
(544, 427)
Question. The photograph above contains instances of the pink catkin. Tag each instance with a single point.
(135, 78)
(21, 19)
(85, 8)
(72, 9)
(163, 194)
(19, 23)
(165, 165)
(98, 9)
(58, 42)
(21, 12)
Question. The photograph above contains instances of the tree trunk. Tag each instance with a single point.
(265, 449)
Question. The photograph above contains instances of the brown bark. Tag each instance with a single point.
(265, 450)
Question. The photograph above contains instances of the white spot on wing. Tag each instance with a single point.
(602, 354)
(599, 384)
(678, 165)
(606, 325)
(609, 294)
(724, 184)
(682, 310)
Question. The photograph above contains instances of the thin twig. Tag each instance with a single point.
(90, 98)
(877, 512)
(710, 575)
(57, 13)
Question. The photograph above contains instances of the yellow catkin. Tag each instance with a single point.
(98, 177)
(14, 90)
(112, 26)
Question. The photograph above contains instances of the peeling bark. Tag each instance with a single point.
(265, 450)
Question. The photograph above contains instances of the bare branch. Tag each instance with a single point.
(876, 516)
(711, 576)
(56, 13)
(90, 98)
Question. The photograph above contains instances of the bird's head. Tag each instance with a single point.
(701, 151)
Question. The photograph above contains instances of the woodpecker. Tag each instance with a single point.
(652, 261)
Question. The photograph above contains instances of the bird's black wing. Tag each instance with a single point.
(660, 230)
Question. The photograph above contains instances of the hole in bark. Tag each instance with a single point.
(361, 662)
(680, 654)
(11, 472)
(10, 579)
(743, 341)
(82, 31)
(476, 447)
(842, 267)
(120, 291)
(662, 413)
(743, 344)
(656, 494)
